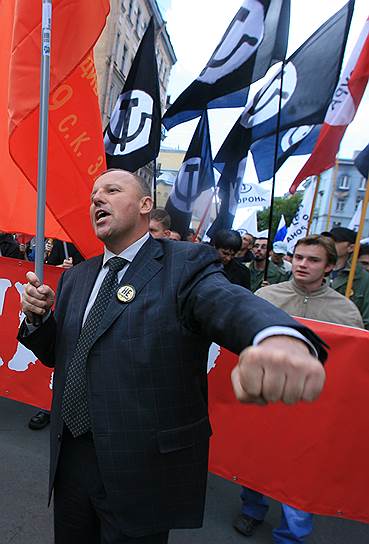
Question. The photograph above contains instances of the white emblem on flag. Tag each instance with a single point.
(186, 188)
(266, 102)
(240, 41)
(130, 123)
(295, 135)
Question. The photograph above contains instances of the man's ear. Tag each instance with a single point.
(146, 205)
(167, 233)
(351, 248)
(328, 269)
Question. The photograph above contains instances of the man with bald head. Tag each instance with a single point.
(129, 339)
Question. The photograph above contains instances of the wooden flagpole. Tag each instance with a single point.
(313, 204)
(333, 188)
(355, 256)
(203, 216)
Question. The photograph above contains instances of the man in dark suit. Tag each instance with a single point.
(129, 341)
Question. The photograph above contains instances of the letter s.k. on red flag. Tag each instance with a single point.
(76, 152)
(341, 111)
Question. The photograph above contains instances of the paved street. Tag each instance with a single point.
(25, 519)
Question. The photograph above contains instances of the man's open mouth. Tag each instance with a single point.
(100, 216)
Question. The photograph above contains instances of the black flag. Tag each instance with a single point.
(195, 176)
(310, 77)
(132, 138)
(362, 162)
(256, 38)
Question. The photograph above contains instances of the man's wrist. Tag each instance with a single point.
(284, 331)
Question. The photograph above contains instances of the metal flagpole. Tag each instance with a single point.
(313, 205)
(334, 179)
(154, 184)
(65, 247)
(355, 256)
(43, 139)
(278, 129)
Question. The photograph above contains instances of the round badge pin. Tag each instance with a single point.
(126, 293)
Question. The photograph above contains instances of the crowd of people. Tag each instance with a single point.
(309, 283)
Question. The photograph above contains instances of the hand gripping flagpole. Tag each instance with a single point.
(43, 137)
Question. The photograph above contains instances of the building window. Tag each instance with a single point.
(117, 44)
(344, 182)
(130, 10)
(112, 99)
(358, 200)
(124, 56)
(138, 21)
(340, 205)
(362, 186)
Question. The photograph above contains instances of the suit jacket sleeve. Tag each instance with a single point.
(228, 314)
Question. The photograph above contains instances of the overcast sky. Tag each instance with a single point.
(195, 28)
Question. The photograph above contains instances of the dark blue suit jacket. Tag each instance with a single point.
(147, 375)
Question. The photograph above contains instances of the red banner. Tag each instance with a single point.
(22, 377)
(312, 456)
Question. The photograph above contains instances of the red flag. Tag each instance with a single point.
(18, 197)
(76, 151)
(311, 456)
(341, 111)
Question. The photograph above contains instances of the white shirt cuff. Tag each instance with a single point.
(283, 331)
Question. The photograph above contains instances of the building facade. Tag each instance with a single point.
(116, 49)
(341, 188)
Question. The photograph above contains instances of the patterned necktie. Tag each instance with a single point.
(75, 403)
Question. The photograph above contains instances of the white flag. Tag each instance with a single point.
(355, 221)
(252, 194)
(249, 225)
(299, 225)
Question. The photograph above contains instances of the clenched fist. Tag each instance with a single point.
(280, 368)
(36, 299)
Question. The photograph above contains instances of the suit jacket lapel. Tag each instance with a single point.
(143, 268)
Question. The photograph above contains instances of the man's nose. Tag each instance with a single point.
(98, 196)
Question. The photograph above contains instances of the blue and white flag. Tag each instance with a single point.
(195, 176)
(292, 142)
(280, 235)
(256, 38)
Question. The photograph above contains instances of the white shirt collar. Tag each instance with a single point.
(129, 253)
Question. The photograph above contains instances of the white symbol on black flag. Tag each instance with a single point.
(187, 187)
(130, 124)
(266, 102)
(240, 41)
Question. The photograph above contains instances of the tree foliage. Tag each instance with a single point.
(282, 205)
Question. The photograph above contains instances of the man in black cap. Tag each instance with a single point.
(345, 242)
